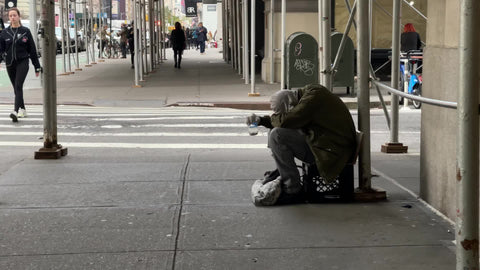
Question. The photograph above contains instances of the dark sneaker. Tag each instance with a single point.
(14, 116)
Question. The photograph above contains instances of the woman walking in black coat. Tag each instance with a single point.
(16, 47)
(178, 43)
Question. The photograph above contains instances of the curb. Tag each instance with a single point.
(264, 106)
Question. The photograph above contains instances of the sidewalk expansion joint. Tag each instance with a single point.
(180, 209)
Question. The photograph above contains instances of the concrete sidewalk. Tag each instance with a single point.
(191, 209)
(204, 80)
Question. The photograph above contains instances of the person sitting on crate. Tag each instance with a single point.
(312, 125)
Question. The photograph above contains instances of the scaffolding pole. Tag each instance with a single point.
(151, 28)
(393, 146)
(467, 138)
(77, 62)
(252, 48)
(234, 35)
(245, 41)
(51, 149)
(92, 32)
(62, 29)
(271, 37)
(136, 44)
(87, 38)
(239, 37)
(324, 12)
(363, 93)
(282, 73)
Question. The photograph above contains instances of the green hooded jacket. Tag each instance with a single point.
(328, 127)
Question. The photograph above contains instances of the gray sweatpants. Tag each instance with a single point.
(286, 145)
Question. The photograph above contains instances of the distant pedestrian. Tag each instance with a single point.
(202, 37)
(104, 39)
(195, 38)
(410, 39)
(178, 43)
(131, 43)
(123, 40)
(16, 46)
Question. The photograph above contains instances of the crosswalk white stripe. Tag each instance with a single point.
(18, 126)
(133, 114)
(167, 118)
(144, 145)
(134, 134)
(35, 119)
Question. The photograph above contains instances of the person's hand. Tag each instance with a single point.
(37, 74)
(252, 119)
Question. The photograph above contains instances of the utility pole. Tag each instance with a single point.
(51, 149)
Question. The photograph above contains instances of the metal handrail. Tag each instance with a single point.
(416, 10)
(436, 102)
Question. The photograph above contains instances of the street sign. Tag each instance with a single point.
(191, 8)
(10, 4)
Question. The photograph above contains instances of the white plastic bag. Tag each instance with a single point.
(266, 195)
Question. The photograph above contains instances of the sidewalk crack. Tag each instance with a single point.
(183, 177)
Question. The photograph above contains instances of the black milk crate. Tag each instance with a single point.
(317, 190)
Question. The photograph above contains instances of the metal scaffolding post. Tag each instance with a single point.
(467, 221)
(252, 49)
(69, 42)
(135, 44)
(324, 11)
(92, 32)
(245, 42)
(33, 20)
(145, 67)
(394, 146)
(151, 27)
(157, 31)
(227, 32)
(87, 38)
(100, 29)
(239, 37)
(162, 39)
(282, 74)
(233, 34)
(62, 29)
(51, 149)
(224, 53)
(163, 32)
(271, 37)
(365, 191)
(77, 64)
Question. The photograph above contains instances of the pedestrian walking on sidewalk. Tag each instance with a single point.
(178, 43)
(16, 47)
(201, 37)
(131, 43)
(123, 40)
(312, 125)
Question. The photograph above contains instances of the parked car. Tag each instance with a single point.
(58, 34)
(81, 39)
